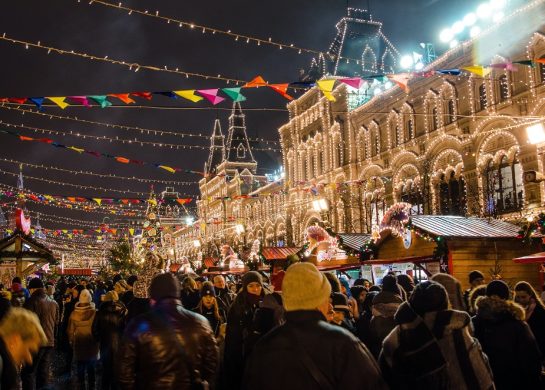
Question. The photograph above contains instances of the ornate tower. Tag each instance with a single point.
(217, 149)
(238, 152)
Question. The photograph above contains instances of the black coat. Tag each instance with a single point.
(343, 360)
(8, 373)
(149, 356)
(537, 324)
(108, 328)
(190, 299)
(508, 342)
(136, 307)
(47, 311)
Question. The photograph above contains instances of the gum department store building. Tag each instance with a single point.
(453, 145)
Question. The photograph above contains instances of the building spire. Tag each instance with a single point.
(238, 147)
(20, 183)
(217, 149)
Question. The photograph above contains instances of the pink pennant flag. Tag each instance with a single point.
(80, 100)
(211, 95)
(504, 65)
(354, 82)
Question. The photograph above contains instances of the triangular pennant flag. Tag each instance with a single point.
(189, 94)
(131, 231)
(354, 82)
(152, 201)
(477, 69)
(24, 138)
(211, 95)
(38, 101)
(124, 97)
(145, 95)
(540, 60)
(504, 65)
(326, 86)
(183, 201)
(76, 149)
(169, 94)
(329, 96)
(99, 201)
(401, 79)
(101, 100)
(282, 89)
(59, 101)
(529, 63)
(258, 81)
(234, 93)
(17, 100)
(80, 100)
(450, 72)
(167, 168)
(122, 160)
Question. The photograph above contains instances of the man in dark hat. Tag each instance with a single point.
(507, 339)
(342, 315)
(476, 279)
(168, 347)
(37, 375)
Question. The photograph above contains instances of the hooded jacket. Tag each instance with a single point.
(384, 307)
(108, 327)
(150, 354)
(47, 311)
(508, 342)
(435, 351)
(79, 332)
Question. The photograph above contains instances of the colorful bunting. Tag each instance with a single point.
(354, 82)
(38, 101)
(124, 97)
(450, 72)
(145, 95)
(101, 100)
(189, 94)
(402, 80)
(257, 82)
(477, 69)
(211, 95)
(326, 86)
(282, 89)
(59, 101)
(234, 94)
(529, 63)
(81, 100)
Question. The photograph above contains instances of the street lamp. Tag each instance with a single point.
(239, 228)
(536, 133)
(320, 205)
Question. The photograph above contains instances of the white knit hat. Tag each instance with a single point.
(85, 296)
(304, 287)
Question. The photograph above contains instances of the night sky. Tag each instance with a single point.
(98, 30)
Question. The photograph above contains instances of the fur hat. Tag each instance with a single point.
(164, 286)
(304, 287)
(85, 296)
(208, 289)
(475, 275)
(498, 288)
(251, 277)
(427, 297)
(340, 302)
(35, 283)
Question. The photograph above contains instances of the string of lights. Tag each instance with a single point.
(105, 176)
(141, 130)
(210, 30)
(135, 140)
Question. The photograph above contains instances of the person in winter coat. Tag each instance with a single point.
(108, 327)
(342, 315)
(128, 296)
(507, 340)
(168, 347)
(81, 339)
(21, 336)
(476, 279)
(479, 291)
(406, 282)
(140, 303)
(363, 323)
(357, 296)
(38, 374)
(223, 294)
(431, 346)
(209, 308)
(306, 352)
(526, 296)
(190, 294)
(240, 337)
(454, 290)
(385, 304)
(17, 295)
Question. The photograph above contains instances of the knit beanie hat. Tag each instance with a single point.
(498, 288)
(475, 275)
(340, 302)
(427, 297)
(251, 277)
(35, 283)
(276, 280)
(389, 283)
(208, 289)
(164, 286)
(304, 287)
(85, 296)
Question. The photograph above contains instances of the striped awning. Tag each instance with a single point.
(278, 253)
(354, 240)
(464, 227)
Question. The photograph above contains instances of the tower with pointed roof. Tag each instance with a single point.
(217, 149)
(238, 151)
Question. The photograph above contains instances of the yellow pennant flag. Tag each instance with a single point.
(131, 232)
(167, 168)
(152, 201)
(59, 101)
(76, 149)
(189, 94)
(326, 86)
(478, 70)
(98, 200)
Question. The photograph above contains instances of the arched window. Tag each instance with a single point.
(451, 112)
(504, 87)
(542, 71)
(504, 189)
(411, 194)
(409, 130)
(452, 199)
(482, 97)
(374, 144)
(434, 119)
(369, 60)
(338, 150)
(374, 204)
(241, 151)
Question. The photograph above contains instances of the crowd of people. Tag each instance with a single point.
(301, 329)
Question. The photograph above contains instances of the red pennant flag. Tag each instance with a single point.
(145, 95)
(183, 201)
(282, 89)
(23, 138)
(256, 82)
(122, 160)
(45, 140)
(71, 199)
(124, 97)
(17, 100)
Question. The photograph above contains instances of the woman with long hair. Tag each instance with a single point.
(526, 296)
(209, 308)
(190, 295)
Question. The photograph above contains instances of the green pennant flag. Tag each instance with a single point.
(529, 63)
(101, 99)
(234, 93)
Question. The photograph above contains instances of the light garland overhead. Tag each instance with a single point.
(141, 130)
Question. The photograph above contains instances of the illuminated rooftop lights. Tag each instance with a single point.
(453, 43)
(406, 62)
(377, 91)
(458, 27)
(484, 11)
(470, 19)
(498, 4)
(446, 35)
(498, 16)
(476, 30)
